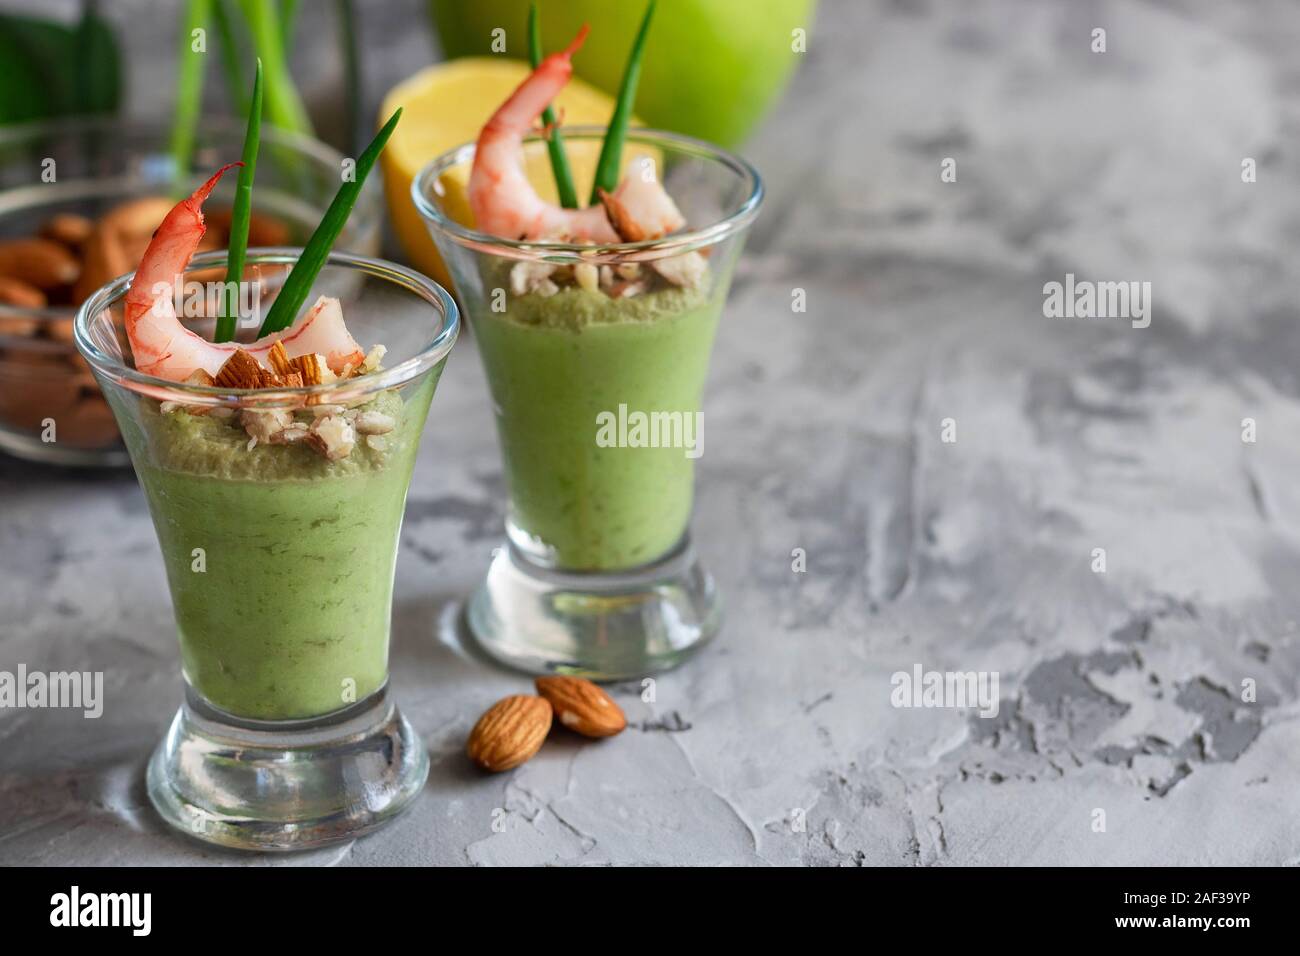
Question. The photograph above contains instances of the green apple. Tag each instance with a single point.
(712, 67)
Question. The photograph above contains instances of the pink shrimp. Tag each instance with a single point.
(503, 200)
(640, 208)
(162, 346)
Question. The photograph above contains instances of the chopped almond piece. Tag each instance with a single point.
(587, 276)
(626, 290)
(272, 380)
(373, 358)
(309, 367)
(278, 359)
(240, 371)
(686, 270)
(525, 276)
(290, 435)
(264, 424)
(332, 436)
(374, 423)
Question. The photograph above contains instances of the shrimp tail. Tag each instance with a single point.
(200, 195)
(185, 221)
(501, 197)
(172, 246)
(162, 346)
(170, 250)
(577, 43)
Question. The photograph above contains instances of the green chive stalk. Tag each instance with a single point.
(283, 105)
(611, 151)
(288, 16)
(347, 33)
(226, 317)
(189, 91)
(554, 141)
(298, 285)
(230, 62)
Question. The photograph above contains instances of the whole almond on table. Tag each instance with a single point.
(582, 706)
(509, 733)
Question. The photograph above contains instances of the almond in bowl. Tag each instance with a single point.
(47, 393)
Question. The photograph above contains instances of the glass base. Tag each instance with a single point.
(602, 625)
(286, 785)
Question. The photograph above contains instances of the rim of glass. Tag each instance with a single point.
(167, 390)
(674, 244)
(15, 135)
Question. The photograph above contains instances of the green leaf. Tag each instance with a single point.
(347, 34)
(555, 142)
(189, 90)
(611, 151)
(97, 69)
(231, 64)
(240, 215)
(36, 81)
(288, 17)
(296, 288)
(283, 104)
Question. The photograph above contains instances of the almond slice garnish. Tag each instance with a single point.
(332, 437)
(198, 377)
(201, 377)
(279, 360)
(272, 380)
(309, 367)
(240, 371)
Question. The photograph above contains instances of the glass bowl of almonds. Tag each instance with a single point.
(79, 201)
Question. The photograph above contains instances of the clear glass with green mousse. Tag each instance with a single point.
(596, 358)
(280, 560)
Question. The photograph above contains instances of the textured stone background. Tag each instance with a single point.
(1120, 691)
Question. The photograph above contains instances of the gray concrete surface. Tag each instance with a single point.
(1120, 692)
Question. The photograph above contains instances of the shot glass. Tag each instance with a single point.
(596, 386)
(280, 563)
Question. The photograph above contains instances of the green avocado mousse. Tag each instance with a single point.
(275, 440)
(562, 361)
(595, 321)
(283, 612)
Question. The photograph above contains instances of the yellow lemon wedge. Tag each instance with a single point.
(445, 106)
